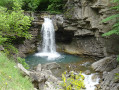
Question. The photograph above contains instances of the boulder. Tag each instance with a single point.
(105, 64)
(108, 80)
(38, 77)
(50, 66)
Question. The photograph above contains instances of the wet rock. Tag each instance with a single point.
(50, 66)
(105, 64)
(97, 87)
(95, 77)
(87, 72)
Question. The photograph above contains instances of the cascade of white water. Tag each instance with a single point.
(48, 33)
(90, 81)
(48, 43)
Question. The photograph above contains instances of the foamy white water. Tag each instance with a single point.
(90, 81)
(48, 43)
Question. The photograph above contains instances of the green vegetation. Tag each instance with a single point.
(31, 5)
(22, 61)
(13, 24)
(10, 76)
(115, 27)
(55, 6)
(74, 82)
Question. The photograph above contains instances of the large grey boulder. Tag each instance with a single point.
(105, 64)
(108, 80)
(50, 66)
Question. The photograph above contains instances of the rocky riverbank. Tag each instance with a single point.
(109, 68)
(43, 77)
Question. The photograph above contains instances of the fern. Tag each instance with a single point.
(110, 18)
(115, 27)
(114, 1)
(111, 32)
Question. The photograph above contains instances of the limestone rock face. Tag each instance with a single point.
(105, 64)
(78, 30)
(83, 19)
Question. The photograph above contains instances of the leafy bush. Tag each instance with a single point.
(55, 6)
(22, 61)
(9, 49)
(75, 81)
(13, 24)
(31, 5)
(6, 3)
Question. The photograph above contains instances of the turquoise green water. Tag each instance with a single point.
(33, 60)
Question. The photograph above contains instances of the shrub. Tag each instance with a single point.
(22, 61)
(75, 81)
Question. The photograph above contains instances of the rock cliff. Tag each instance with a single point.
(81, 25)
(79, 29)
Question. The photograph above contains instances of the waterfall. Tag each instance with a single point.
(48, 33)
(48, 42)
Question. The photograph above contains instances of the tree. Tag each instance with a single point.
(13, 23)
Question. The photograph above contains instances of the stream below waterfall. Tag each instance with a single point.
(68, 63)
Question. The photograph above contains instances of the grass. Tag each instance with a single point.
(10, 76)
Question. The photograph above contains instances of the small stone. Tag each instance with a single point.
(97, 86)
(87, 72)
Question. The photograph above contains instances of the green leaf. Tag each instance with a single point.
(110, 18)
